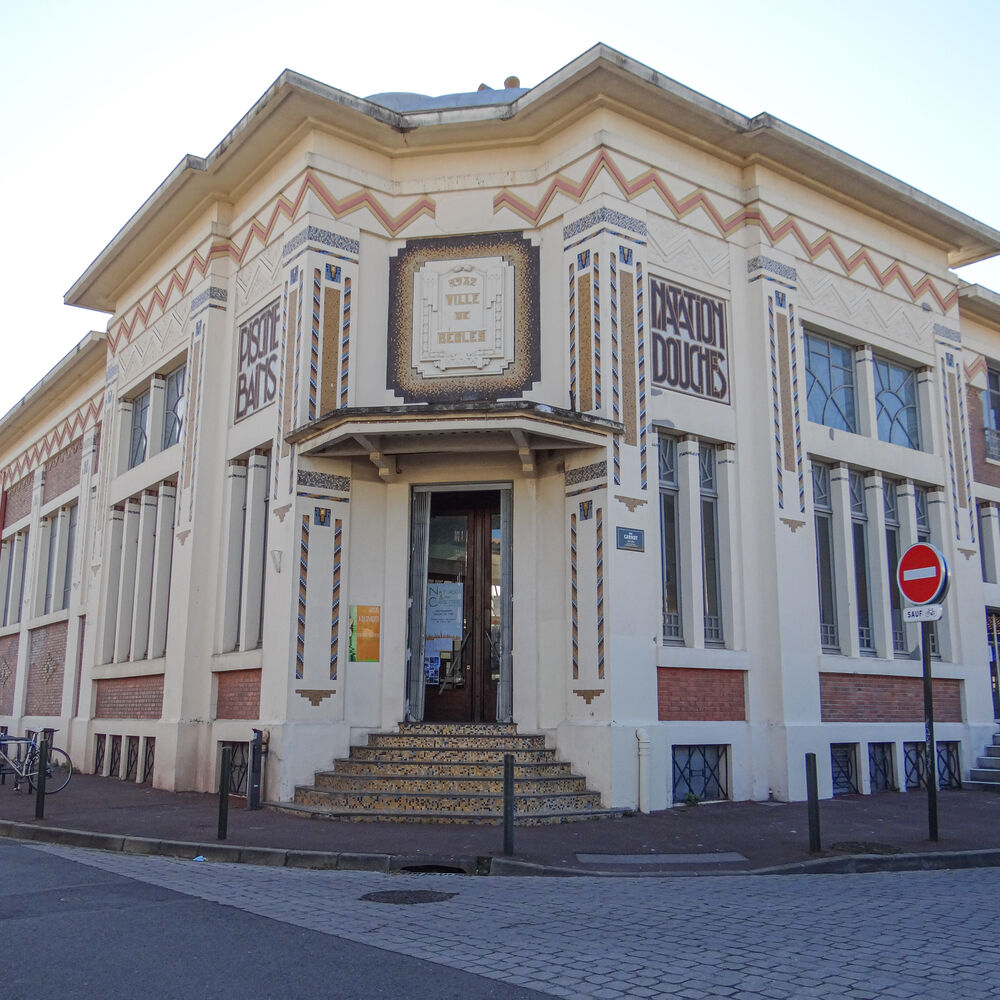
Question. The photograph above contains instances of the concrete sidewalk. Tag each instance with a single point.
(859, 833)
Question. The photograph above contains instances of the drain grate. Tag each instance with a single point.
(407, 897)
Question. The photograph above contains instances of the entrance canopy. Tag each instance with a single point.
(382, 433)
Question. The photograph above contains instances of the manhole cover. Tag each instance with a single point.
(407, 897)
(865, 847)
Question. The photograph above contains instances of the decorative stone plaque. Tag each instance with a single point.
(462, 317)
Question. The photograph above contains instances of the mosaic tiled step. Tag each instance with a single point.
(488, 740)
(378, 782)
(478, 803)
(464, 819)
(459, 769)
(448, 773)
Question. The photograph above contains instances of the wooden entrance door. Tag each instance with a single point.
(463, 634)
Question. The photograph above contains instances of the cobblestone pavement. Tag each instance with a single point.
(836, 937)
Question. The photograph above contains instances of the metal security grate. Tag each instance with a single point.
(100, 744)
(149, 760)
(131, 758)
(948, 762)
(844, 765)
(880, 767)
(115, 768)
(701, 773)
(239, 767)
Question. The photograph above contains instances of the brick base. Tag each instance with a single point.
(239, 695)
(46, 669)
(875, 698)
(691, 694)
(129, 698)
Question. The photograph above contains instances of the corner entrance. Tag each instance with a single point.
(460, 571)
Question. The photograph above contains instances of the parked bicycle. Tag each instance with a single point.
(19, 755)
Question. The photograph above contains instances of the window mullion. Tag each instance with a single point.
(843, 560)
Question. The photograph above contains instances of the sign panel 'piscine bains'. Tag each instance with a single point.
(690, 343)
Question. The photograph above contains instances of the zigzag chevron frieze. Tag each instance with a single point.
(81, 419)
(196, 266)
(651, 180)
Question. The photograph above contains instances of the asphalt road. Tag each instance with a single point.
(71, 930)
(154, 927)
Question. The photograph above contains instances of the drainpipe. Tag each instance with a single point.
(643, 739)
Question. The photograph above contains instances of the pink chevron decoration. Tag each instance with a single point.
(650, 180)
(66, 431)
(976, 368)
(196, 266)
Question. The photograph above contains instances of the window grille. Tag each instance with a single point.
(131, 758)
(830, 391)
(149, 760)
(100, 744)
(700, 772)
(843, 762)
(239, 766)
(880, 767)
(948, 762)
(896, 403)
(115, 768)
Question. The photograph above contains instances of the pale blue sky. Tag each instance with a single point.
(103, 98)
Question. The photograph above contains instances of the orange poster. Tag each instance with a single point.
(366, 630)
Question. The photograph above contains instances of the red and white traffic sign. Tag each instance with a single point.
(922, 574)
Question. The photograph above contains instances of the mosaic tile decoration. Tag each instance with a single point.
(338, 536)
(604, 215)
(518, 252)
(258, 231)
(616, 448)
(600, 592)
(323, 481)
(328, 399)
(596, 312)
(300, 623)
(212, 294)
(585, 328)
(774, 266)
(775, 407)
(572, 337)
(943, 331)
(313, 234)
(629, 379)
(85, 416)
(641, 349)
(276, 452)
(345, 344)
(573, 597)
(314, 345)
(596, 470)
(651, 180)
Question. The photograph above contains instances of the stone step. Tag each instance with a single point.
(992, 751)
(468, 803)
(985, 775)
(465, 741)
(450, 755)
(992, 763)
(378, 781)
(457, 769)
(464, 819)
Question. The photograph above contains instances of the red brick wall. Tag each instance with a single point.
(18, 500)
(686, 693)
(982, 471)
(129, 698)
(8, 673)
(872, 698)
(239, 695)
(46, 669)
(62, 471)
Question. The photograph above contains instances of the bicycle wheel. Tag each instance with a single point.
(57, 775)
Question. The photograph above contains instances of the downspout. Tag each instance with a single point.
(643, 739)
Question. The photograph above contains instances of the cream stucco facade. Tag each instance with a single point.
(550, 355)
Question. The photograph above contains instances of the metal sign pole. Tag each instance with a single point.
(930, 750)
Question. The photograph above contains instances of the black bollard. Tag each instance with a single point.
(508, 804)
(930, 748)
(43, 766)
(812, 793)
(227, 756)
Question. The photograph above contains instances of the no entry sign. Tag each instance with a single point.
(922, 574)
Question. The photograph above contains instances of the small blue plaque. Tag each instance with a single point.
(631, 539)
